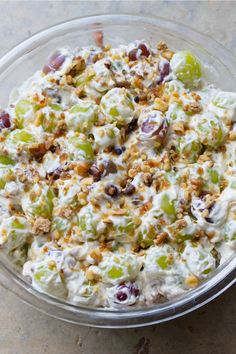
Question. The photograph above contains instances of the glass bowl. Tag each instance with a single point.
(23, 60)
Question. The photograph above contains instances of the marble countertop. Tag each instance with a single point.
(210, 329)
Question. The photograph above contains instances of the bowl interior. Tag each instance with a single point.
(29, 56)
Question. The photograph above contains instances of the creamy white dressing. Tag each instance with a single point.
(103, 201)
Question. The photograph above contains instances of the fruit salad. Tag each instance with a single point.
(118, 175)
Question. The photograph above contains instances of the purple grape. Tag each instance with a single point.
(159, 131)
(95, 172)
(4, 120)
(55, 62)
(133, 54)
(56, 174)
(164, 69)
(145, 51)
(119, 150)
(127, 292)
(112, 190)
(109, 167)
(121, 296)
(148, 126)
(129, 189)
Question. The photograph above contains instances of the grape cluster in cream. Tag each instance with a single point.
(118, 175)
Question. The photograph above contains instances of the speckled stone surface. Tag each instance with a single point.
(211, 329)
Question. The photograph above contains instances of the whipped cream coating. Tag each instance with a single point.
(117, 175)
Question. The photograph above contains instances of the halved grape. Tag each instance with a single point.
(230, 232)
(186, 67)
(60, 225)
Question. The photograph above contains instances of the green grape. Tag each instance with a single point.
(233, 185)
(20, 136)
(41, 204)
(49, 280)
(83, 116)
(190, 147)
(207, 271)
(146, 236)
(158, 259)
(84, 147)
(14, 231)
(56, 107)
(2, 184)
(118, 268)
(214, 175)
(6, 160)
(168, 206)
(203, 257)
(116, 106)
(225, 100)
(210, 130)
(181, 238)
(186, 67)
(89, 223)
(123, 228)
(230, 231)
(22, 107)
(114, 112)
(49, 122)
(115, 272)
(84, 78)
(163, 262)
(126, 226)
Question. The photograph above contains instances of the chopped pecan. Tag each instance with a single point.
(37, 149)
(161, 238)
(98, 38)
(147, 179)
(162, 45)
(193, 107)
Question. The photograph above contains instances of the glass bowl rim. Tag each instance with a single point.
(224, 277)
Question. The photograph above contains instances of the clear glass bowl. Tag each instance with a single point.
(22, 61)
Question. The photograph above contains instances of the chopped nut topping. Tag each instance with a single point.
(41, 226)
